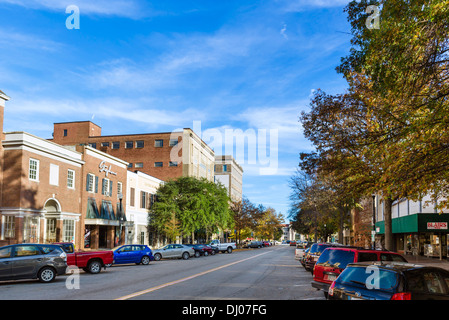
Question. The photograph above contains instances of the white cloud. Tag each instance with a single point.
(124, 8)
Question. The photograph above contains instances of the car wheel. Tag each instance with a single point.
(145, 260)
(229, 250)
(46, 275)
(185, 255)
(212, 252)
(94, 267)
(197, 254)
(206, 253)
(157, 257)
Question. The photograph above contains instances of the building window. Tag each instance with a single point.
(31, 229)
(225, 167)
(93, 145)
(116, 145)
(173, 142)
(140, 144)
(106, 188)
(130, 165)
(158, 164)
(173, 164)
(8, 227)
(90, 183)
(68, 227)
(54, 174)
(71, 179)
(139, 165)
(129, 144)
(143, 199)
(159, 143)
(119, 188)
(65, 132)
(33, 173)
(105, 144)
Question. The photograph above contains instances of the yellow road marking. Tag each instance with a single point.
(139, 293)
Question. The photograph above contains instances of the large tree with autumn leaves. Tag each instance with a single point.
(388, 133)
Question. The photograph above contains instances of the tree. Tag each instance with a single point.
(186, 205)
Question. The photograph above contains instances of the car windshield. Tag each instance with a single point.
(318, 248)
(370, 277)
(336, 258)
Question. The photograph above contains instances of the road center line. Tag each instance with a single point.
(139, 293)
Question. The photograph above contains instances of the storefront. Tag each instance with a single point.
(103, 199)
(424, 234)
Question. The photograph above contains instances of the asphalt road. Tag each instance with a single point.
(256, 274)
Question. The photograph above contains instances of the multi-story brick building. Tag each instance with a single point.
(164, 155)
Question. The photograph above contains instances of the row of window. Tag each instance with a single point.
(92, 184)
(139, 144)
(31, 229)
(33, 174)
(157, 164)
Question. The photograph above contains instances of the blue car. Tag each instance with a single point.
(133, 253)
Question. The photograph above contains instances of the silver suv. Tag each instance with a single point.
(31, 261)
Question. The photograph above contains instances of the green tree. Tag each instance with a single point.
(186, 205)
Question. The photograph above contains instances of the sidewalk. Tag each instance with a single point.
(434, 262)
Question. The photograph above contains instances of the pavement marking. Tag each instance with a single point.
(139, 293)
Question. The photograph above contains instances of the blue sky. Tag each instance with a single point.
(138, 66)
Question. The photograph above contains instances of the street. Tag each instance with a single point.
(270, 273)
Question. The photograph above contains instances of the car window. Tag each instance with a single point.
(359, 276)
(137, 248)
(48, 249)
(415, 282)
(336, 258)
(22, 251)
(367, 256)
(434, 282)
(445, 276)
(178, 246)
(391, 257)
(68, 248)
(5, 253)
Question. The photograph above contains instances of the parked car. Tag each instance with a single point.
(301, 248)
(32, 261)
(254, 244)
(314, 254)
(202, 250)
(334, 260)
(393, 281)
(302, 260)
(223, 246)
(89, 261)
(266, 243)
(293, 243)
(174, 251)
(135, 253)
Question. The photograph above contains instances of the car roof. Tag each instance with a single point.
(394, 266)
(347, 248)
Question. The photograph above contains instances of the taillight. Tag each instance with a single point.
(402, 296)
(331, 289)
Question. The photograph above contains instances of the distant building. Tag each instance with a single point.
(230, 174)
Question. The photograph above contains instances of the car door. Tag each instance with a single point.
(167, 251)
(122, 255)
(178, 250)
(27, 260)
(136, 254)
(5, 263)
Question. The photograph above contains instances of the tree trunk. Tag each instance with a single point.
(389, 244)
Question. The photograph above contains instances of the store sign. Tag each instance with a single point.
(104, 168)
(436, 225)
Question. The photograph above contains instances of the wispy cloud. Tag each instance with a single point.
(134, 9)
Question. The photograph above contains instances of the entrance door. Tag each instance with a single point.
(103, 237)
(51, 230)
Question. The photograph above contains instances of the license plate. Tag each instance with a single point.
(331, 277)
(354, 298)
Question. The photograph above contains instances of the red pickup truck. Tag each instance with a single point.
(89, 261)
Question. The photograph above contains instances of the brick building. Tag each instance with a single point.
(164, 155)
